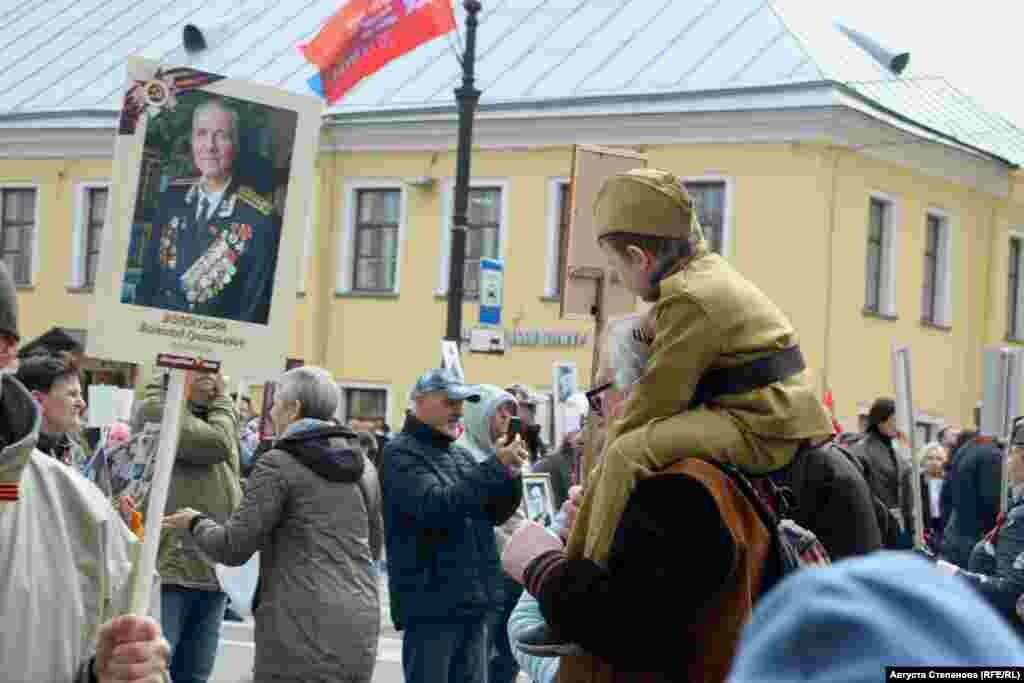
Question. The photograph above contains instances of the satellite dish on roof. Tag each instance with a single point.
(895, 62)
(192, 38)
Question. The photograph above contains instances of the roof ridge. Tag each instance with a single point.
(799, 40)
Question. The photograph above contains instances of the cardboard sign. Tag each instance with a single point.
(203, 239)
(586, 282)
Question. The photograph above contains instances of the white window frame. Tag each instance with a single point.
(448, 209)
(1017, 233)
(386, 388)
(552, 224)
(344, 272)
(727, 211)
(944, 274)
(78, 231)
(36, 241)
(887, 295)
(308, 238)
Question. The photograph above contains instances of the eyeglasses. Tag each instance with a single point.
(595, 400)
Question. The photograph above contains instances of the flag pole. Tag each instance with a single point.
(467, 97)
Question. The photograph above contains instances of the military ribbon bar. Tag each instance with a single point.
(364, 35)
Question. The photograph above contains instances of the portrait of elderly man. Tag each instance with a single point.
(213, 248)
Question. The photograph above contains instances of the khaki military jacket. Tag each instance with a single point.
(708, 316)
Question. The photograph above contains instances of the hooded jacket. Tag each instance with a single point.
(846, 623)
(476, 418)
(67, 557)
(312, 509)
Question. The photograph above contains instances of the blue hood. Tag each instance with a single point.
(847, 622)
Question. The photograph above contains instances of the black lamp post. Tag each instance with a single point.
(467, 96)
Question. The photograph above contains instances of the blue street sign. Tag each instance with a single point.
(492, 277)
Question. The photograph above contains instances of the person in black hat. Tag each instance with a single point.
(40, 499)
(888, 473)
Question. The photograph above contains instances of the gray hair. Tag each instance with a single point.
(218, 103)
(313, 388)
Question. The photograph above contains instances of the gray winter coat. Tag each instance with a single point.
(312, 508)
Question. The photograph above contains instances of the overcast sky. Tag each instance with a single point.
(977, 45)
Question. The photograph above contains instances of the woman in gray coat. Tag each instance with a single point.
(312, 508)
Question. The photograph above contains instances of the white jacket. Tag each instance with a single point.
(67, 557)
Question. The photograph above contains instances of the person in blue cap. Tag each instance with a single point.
(848, 622)
(440, 509)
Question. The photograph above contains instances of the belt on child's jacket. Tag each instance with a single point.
(756, 374)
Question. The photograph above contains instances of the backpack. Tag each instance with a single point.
(793, 547)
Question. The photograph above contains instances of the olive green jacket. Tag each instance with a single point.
(205, 477)
(708, 316)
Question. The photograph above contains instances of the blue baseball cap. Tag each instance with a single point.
(440, 379)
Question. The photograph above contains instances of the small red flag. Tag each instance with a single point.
(364, 35)
(830, 404)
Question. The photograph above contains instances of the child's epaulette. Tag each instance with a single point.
(255, 200)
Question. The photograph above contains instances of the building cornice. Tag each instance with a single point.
(818, 112)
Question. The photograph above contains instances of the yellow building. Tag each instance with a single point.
(876, 210)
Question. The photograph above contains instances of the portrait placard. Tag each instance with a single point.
(585, 280)
(538, 498)
(204, 233)
(564, 383)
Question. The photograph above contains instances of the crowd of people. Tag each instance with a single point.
(653, 564)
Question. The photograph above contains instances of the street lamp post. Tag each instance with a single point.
(467, 97)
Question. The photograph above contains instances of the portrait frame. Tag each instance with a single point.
(564, 384)
(538, 481)
(144, 239)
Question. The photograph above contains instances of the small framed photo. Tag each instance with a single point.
(538, 498)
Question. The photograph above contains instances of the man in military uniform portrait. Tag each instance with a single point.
(213, 249)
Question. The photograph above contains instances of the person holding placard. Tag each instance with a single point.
(68, 557)
(312, 509)
(205, 476)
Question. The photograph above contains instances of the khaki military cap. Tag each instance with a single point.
(644, 201)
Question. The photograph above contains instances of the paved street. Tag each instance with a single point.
(234, 661)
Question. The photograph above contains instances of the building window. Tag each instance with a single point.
(17, 225)
(95, 212)
(936, 295)
(368, 405)
(378, 213)
(1013, 290)
(878, 271)
(709, 200)
(483, 236)
(564, 208)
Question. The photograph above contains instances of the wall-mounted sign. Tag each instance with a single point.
(492, 279)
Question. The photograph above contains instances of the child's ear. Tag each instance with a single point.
(637, 256)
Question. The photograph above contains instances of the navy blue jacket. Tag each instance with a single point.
(976, 489)
(440, 510)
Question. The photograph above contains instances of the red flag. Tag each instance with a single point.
(364, 35)
(830, 404)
